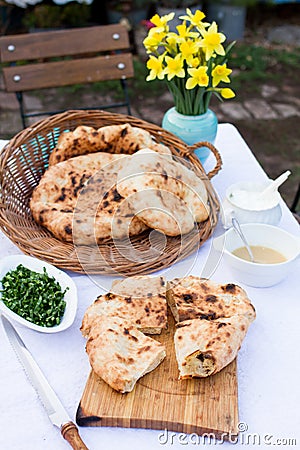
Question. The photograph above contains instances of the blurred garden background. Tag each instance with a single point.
(265, 63)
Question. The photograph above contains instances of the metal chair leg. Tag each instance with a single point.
(19, 96)
(296, 200)
(126, 95)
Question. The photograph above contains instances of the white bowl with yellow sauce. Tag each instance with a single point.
(285, 250)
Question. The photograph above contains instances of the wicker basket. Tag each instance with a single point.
(24, 160)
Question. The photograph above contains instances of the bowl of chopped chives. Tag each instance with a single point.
(36, 294)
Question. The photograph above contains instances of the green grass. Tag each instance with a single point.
(253, 64)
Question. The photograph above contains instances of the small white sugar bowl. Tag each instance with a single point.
(244, 201)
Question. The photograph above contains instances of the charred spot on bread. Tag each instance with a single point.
(188, 298)
(124, 132)
(204, 287)
(183, 324)
(161, 319)
(68, 229)
(144, 349)
(116, 196)
(230, 287)
(80, 184)
(210, 316)
(211, 298)
(62, 197)
(200, 356)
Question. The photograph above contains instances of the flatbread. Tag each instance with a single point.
(164, 194)
(204, 347)
(77, 201)
(122, 138)
(120, 354)
(140, 286)
(193, 297)
(141, 300)
(212, 321)
(63, 182)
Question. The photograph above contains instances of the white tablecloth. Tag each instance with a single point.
(268, 362)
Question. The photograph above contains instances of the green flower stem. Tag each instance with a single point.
(199, 107)
(206, 101)
(189, 102)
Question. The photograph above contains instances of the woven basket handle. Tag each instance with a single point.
(213, 149)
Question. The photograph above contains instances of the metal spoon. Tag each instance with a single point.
(238, 229)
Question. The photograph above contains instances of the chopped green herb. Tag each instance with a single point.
(36, 297)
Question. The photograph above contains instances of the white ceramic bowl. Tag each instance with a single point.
(11, 262)
(270, 212)
(254, 274)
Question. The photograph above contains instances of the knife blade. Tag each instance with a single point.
(53, 406)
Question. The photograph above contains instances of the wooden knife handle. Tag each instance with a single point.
(70, 432)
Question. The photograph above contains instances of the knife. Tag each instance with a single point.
(53, 406)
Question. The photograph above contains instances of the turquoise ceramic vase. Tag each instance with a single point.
(192, 129)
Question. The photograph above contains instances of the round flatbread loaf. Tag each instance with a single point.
(120, 354)
(140, 299)
(193, 297)
(61, 184)
(78, 202)
(111, 138)
(163, 193)
(204, 347)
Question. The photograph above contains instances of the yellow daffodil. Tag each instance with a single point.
(227, 93)
(188, 49)
(154, 39)
(184, 32)
(163, 20)
(172, 41)
(194, 62)
(155, 65)
(191, 60)
(220, 73)
(174, 67)
(198, 77)
(212, 41)
(195, 19)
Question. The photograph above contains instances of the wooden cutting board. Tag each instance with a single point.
(160, 401)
